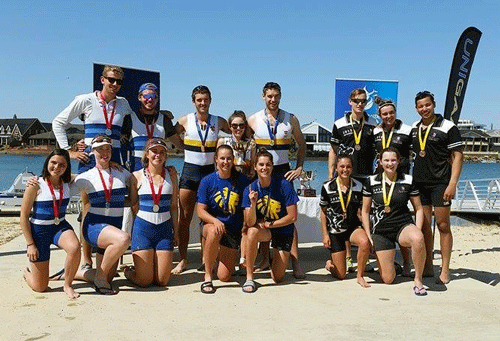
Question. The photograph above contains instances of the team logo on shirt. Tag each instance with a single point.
(221, 197)
(343, 149)
(335, 221)
(269, 207)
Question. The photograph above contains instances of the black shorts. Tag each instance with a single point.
(432, 194)
(337, 240)
(387, 240)
(230, 240)
(282, 237)
(281, 170)
(192, 174)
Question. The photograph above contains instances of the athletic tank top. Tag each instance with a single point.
(139, 138)
(43, 209)
(146, 200)
(279, 149)
(192, 141)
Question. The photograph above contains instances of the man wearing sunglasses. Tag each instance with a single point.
(146, 124)
(275, 129)
(352, 134)
(102, 113)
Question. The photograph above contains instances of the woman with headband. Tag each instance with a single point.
(391, 132)
(103, 191)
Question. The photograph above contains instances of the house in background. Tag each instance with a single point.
(17, 131)
(317, 137)
(74, 133)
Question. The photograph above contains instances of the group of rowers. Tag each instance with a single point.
(241, 187)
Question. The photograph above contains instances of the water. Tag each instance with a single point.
(12, 165)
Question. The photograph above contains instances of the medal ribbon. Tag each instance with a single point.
(344, 204)
(150, 128)
(384, 144)
(107, 191)
(272, 132)
(156, 196)
(357, 137)
(109, 121)
(424, 141)
(56, 205)
(387, 197)
(202, 139)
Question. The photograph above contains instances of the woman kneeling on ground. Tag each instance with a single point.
(155, 229)
(391, 219)
(49, 198)
(103, 191)
(219, 207)
(270, 205)
(340, 204)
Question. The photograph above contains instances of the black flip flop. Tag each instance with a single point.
(207, 285)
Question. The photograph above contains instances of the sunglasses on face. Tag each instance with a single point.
(113, 80)
(149, 96)
(236, 125)
(359, 100)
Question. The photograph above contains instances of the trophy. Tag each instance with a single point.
(239, 152)
(305, 179)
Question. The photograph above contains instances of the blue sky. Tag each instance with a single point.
(48, 49)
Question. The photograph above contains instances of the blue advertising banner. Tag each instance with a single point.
(381, 88)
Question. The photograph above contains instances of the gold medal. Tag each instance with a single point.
(423, 141)
(344, 204)
(271, 142)
(57, 220)
(387, 196)
(357, 136)
(202, 148)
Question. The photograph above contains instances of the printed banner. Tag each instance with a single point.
(460, 72)
(381, 88)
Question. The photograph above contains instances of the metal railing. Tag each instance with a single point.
(477, 196)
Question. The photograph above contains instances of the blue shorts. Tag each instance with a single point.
(93, 225)
(192, 174)
(146, 235)
(44, 235)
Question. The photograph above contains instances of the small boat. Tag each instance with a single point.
(14, 195)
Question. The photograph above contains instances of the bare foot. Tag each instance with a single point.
(443, 279)
(181, 267)
(72, 294)
(361, 281)
(329, 266)
(297, 271)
